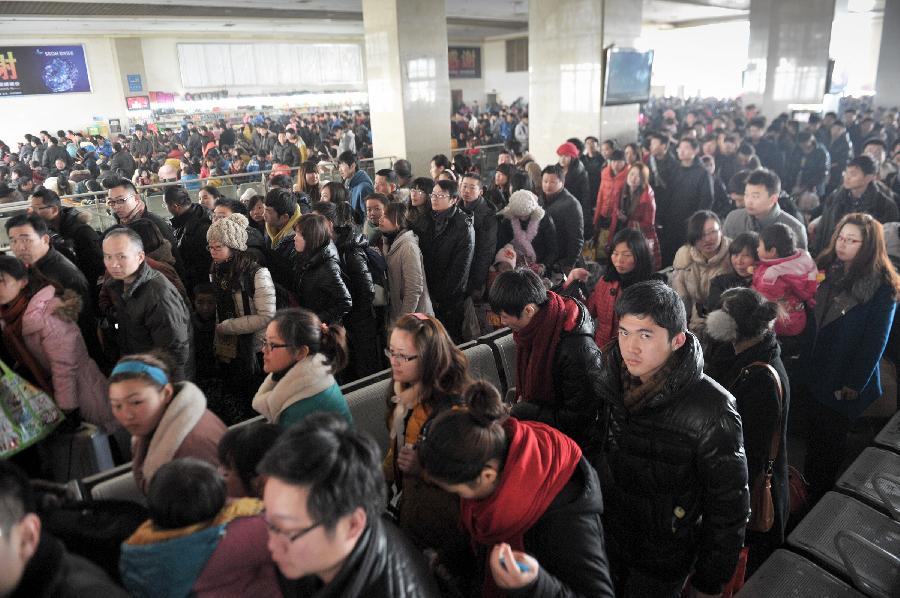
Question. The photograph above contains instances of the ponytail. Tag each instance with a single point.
(334, 347)
(459, 443)
(300, 327)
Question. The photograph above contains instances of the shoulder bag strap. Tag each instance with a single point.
(776, 433)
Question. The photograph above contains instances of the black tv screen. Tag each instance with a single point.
(627, 76)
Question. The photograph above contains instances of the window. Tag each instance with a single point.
(269, 64)
(517, 55)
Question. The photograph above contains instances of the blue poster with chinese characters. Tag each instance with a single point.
(37, 70)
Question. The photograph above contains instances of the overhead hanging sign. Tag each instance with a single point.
(39, 70)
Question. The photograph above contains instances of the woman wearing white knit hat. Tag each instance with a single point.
(530, 230)
(245, 303)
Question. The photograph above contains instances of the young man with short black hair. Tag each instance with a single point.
(484, 220)
(567, 216)
(761, 193)
(448, 245)
(670, 455)
(282, 212)
(32, 562)
(357, 182)
(190, 221)
(323, 497)
(858, 193)
(557, 360)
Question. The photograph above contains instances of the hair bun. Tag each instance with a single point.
(484, 403)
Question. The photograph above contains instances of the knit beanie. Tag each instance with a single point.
(567, 149)
(522, 204)
(230, 231)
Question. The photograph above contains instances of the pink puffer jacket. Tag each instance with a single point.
(52, 336)
(791, 282)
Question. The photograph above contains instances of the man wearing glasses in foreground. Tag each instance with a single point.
(323, 499)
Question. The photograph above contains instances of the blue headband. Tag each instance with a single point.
(139, 367)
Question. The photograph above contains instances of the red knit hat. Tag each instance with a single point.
(567, 149)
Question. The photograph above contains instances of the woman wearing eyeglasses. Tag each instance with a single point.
(702, 258)
(428, 375)
(301, 356)
(245, 302)
(855, 306)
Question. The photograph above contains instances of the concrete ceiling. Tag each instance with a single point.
(467, 20)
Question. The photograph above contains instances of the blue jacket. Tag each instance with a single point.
(849, 339)
(360, 187)
(168, 569)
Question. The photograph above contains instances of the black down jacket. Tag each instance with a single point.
(484, 221)
(566, 213)
(448, 246)
(319, 285)
(568, 543)
(190, 235)
(674, 475)
(576, 367)
(361, 325)
(81, 239)
(757, 401)
(151, 314)
(383, 564)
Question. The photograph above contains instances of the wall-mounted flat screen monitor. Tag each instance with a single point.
(627, 78)
(138, 102)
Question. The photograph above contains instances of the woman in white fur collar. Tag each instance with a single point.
(166, 421)
(301, 356)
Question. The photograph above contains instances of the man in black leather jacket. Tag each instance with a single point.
(672, 467)
(323, 500)
(550, 329)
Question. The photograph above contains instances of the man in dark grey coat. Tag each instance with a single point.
(148, 311)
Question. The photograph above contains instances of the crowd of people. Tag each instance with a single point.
(677, 306)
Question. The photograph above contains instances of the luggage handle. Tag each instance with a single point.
(845, 541)
(892, 508)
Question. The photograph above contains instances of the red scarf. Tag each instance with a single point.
(12, 315)
(540, 462)
(536, 347)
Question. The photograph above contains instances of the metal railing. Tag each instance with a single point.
(93, 202)
(485, 160)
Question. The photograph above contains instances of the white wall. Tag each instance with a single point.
(507, 86)
(30, 114)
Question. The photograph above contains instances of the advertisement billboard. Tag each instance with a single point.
(39, 70)
(464, 63)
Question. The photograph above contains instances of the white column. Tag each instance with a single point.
(566, 41)
(887, 82)
(409, 88)
(788, 53)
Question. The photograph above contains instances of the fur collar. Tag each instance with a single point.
(181, 417)
(305, 379)
(147, 533)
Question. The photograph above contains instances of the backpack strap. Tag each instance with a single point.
(775, 442)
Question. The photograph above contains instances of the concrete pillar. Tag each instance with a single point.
(887, 82)
(409, 88)
(566, 41)
(130, 58)
(788, 53)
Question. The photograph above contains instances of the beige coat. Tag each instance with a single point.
(692, 274)
(407, 290)
(262, 308)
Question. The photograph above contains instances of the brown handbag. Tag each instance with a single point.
(762, 506)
